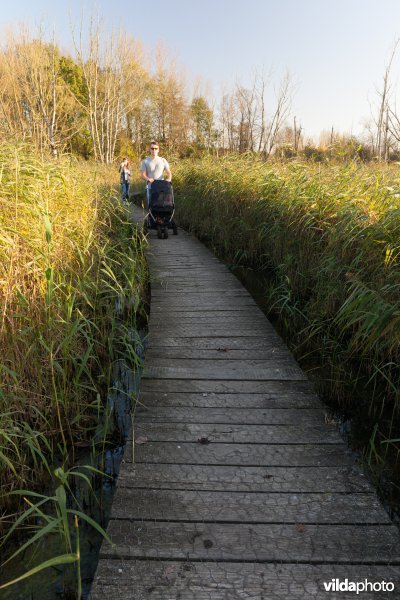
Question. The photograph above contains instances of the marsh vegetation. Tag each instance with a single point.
(73, 282)
(327, 237)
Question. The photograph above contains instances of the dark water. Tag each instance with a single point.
(61, 582)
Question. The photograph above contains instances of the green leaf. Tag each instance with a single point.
(64, 559)
(48, 228)
(38, 536)
(62, 506)
(22, 518)
(92, 523)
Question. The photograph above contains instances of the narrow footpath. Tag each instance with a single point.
(234, 484)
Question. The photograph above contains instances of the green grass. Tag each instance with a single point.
(329, 237)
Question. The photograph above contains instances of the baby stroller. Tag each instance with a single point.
(161, 209)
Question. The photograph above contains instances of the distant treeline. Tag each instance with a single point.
(113, 96)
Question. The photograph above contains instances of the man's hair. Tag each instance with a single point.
(155, 143)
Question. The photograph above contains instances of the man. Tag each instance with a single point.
(153, 168)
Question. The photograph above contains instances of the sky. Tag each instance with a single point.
(335, 50)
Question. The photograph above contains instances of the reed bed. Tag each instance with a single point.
(329, 237)
(68, 257)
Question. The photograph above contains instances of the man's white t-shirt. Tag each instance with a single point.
(154, 167)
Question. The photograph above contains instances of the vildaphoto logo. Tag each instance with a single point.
(345, 585)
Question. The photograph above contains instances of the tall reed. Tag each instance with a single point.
(329, 235)
(67, 254)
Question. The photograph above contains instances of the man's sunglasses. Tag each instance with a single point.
(153, 148)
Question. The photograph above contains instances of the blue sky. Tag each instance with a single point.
(336, 50)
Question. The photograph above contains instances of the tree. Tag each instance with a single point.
(169, 109)
(386, 120)
(246, 124)
(110, 67)
(202, 119)
(34, 100)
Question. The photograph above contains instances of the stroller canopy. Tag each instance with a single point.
(161, 196)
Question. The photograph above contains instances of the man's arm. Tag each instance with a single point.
(144, 176)
(169, 174)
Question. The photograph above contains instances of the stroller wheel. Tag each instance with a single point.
(166, 233)
(175, 230)
(159, 233)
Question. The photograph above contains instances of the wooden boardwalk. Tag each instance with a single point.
(237, 487)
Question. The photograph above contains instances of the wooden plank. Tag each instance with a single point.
(211, 274)
(243, 507)
(240, 416)
(214, 342)
(182, 261)
(237, 434)
(172, 285)
(188, 580)
(254, 542)
(164, 278)
(208, 318)
(174, 297)
(262, 455)
(227, 371)
(175, 287)
(234, 296)
(200, 309)
(227, 300)
(185, 268)
(225, 363)
(208, 304)
(156, 352)
(267, 388)
(210, 400)
(189, 313)
(197, 330)
(245, 479)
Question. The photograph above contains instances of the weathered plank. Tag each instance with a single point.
(196, 330)
(227, 370)
(188, 313)
(241, 416)
(237, 434)
(206, 302)
(156, 352)
(198, 275)
(263, 455)
(278, 399)
(172, 285)
(266, 388)
(298, 542)
(179, 309)
(245, 479)
(242, 507)
(167, 296)
(224, 318)
(187, 580)
(214, 342)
